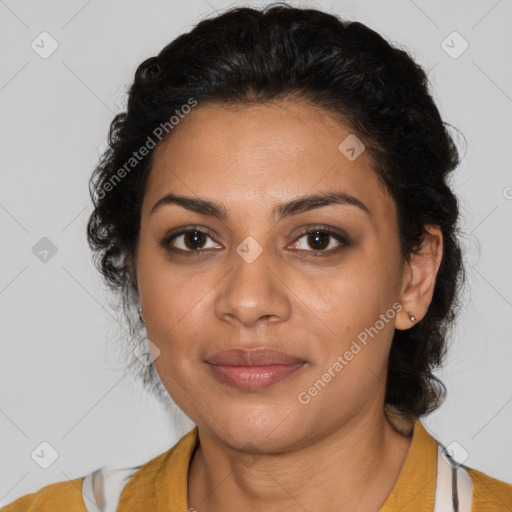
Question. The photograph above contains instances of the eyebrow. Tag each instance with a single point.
(292, 207)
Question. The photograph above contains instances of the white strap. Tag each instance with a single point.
(102, 488)
(445, 492)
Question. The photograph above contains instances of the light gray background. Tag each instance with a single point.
(61, 380)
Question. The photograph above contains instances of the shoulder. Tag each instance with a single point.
(58, 497)
(161, 477)
(490, 493)
(102, 489)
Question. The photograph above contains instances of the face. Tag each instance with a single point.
(268, 334)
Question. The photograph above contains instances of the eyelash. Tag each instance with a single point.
(343, 239)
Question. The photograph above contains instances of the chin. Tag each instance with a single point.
(262, 428)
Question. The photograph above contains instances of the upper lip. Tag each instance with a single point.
(252, 357)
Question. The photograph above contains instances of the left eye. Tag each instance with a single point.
(318, 239)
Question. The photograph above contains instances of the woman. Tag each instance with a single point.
(274, 202)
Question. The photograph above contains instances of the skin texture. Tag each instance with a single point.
(264, 450)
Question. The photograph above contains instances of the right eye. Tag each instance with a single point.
(191, 240)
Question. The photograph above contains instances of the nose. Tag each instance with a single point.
(253, 292)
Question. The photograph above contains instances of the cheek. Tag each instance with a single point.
(357, 306)
(175, 321)
(169, 298)
(355, 293)
(175, 312)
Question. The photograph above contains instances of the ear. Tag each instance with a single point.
(419, 278)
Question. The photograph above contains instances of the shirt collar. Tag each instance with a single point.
(415, 486)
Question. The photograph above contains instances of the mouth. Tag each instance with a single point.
(252, 370)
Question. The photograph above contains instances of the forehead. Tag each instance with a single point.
(274, 151)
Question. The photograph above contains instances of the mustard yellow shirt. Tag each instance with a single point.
(160, 485)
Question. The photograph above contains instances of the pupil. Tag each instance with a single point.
(315, 240)
(195, 235)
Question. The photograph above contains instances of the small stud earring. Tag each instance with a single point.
(141, 317)
(412, 318)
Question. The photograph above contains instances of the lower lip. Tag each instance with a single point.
(253, 378)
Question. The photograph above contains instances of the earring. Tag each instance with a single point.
(141, 317)
(412, 318)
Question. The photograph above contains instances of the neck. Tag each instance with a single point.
(338, 468)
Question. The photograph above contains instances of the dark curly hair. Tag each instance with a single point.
(246, 57)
